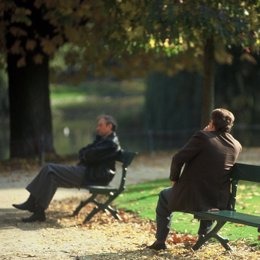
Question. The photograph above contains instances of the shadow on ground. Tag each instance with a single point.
(12, 218)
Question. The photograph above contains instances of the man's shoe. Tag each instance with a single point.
(36, 216)
(29, 204)
(157, 246)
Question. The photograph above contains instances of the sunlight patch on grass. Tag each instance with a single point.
(61, 100)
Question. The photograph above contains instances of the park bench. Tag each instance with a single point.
(103, 196)
(238, 173)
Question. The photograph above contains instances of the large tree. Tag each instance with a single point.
(31, 32)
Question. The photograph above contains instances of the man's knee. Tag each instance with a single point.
(162, 205)
(164, 196)
(50, 167)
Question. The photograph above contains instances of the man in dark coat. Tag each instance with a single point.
(96, 166)
(200, 175)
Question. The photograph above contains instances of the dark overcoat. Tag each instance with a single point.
(201, 172)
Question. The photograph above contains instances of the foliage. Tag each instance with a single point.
(40, 27)
(188, 24)
(203, 27)
(99, 31)
(142, 198)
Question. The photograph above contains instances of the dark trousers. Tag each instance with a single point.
(164, 214)
(52, 176)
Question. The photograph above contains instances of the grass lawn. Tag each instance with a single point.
(142, 199)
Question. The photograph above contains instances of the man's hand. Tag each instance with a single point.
(206, 128)
(209, 127)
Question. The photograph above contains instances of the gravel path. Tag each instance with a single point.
(62, 237)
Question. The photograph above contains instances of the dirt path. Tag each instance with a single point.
(63, 237)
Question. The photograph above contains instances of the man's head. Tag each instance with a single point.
(222, 119)
(106, 125)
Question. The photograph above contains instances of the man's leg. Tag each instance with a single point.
(205, 226)
(163, 219)
(52, 176)
(45, 184)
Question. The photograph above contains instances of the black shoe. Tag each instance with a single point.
(157, 246)
(29, 204)
(36, 216)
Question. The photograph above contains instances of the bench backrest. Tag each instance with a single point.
(245, 172)
(126, 158)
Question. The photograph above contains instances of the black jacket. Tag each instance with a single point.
(99, 159)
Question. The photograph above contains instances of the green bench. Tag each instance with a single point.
(103, 196)
(239, 172)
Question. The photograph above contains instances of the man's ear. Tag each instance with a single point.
(110, 126)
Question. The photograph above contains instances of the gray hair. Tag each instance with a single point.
(109, 120)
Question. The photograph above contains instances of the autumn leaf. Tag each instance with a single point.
(72, 34)
(16, 47)
(16, 31)
(38, 58)
(21, 62)
(182, 238)
(30, 44)
(48, 46)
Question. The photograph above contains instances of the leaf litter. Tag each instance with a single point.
(128, 238)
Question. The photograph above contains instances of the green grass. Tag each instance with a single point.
(99, 88)
(142, 199)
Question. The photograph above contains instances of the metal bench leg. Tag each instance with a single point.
(113, 212)
(223, 241)
(105, 207)
(83, 203)
(91, 214)
(213, 233)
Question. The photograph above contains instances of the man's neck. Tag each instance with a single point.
(108, 134)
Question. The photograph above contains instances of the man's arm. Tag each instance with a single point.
(99, 151)
(186, 154)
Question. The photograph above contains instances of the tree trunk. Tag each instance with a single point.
(208, 82)
(30, 114)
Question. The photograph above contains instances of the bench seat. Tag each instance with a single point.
(108, 192)
(230, 216)
(239, 172)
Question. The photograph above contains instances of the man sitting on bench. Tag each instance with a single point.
(96, 166)
(203, 183)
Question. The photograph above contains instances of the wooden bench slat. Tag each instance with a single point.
(231, 216)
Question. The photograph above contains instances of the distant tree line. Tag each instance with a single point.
(173, 103)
